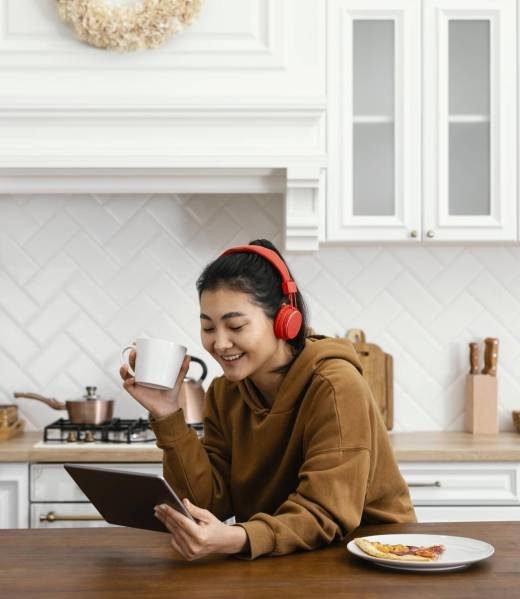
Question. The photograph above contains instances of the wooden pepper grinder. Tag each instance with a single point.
(481, 393)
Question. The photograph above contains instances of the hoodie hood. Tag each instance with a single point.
(317, 349)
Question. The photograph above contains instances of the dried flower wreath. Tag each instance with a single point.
(147, 24)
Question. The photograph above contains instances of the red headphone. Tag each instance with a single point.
(288, 319)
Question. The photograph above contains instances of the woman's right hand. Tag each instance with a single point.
(158, 402)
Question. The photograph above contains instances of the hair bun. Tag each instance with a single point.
(265, 243)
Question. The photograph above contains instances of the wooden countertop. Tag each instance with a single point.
(22, 449)
(445, 446)
(432, 446)
(124, 562)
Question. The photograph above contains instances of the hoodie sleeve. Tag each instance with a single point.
(333, 478)
(197, 469)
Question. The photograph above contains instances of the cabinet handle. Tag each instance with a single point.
(430, 233)
(436, 483)
(413, 233)
(53, 517)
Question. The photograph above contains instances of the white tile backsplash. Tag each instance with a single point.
(51, 237)
(14, 300)
(80, 276)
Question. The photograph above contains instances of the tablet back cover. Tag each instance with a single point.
(124, 498)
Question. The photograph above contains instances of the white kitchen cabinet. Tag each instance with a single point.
(374, 120)
(448, 67)
(469, 104)
(463, 491)
(440, 491)
(14, 495)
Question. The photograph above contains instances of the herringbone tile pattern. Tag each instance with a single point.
(82, 275)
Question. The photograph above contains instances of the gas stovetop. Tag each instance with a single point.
(117, 430)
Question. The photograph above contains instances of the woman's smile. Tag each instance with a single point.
(232, 357)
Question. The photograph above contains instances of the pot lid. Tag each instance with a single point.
(90, 394)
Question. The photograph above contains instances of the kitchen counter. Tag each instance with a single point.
(121, 562)
(26, 448)
(432, 446)
(446, 446)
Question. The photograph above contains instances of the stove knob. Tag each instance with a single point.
(72, 437)
(89, 437)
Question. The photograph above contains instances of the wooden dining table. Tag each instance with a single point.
(124, 562)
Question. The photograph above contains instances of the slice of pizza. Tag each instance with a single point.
(400, 552)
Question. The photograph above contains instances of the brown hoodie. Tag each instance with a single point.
(301, 474)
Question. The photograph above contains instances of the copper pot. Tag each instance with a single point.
(89, 410)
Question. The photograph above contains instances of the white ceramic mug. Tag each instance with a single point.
(158, 362)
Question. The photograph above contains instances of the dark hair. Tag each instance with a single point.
(252, 274)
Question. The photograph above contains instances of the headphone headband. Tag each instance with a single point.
(288, 285)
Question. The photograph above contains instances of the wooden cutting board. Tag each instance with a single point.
(378, 371)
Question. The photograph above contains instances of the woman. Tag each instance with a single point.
(294, 446)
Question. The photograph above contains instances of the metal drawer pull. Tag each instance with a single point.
(437, 483)
(53, 517)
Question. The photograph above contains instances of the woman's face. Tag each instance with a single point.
(238, 334)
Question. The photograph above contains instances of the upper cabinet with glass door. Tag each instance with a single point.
(453, 71)
(469, 153)
(374, 179)
(469, 103)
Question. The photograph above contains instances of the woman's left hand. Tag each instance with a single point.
(208, 534)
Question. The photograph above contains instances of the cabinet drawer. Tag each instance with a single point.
(460, 483)
(50, 482)
(65, 515)
(467, 513)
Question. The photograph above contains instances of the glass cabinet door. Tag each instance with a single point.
(373, 117)
(374, 87)
(470, 120)
(469, 157)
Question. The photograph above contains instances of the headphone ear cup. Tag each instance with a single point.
(287, 322)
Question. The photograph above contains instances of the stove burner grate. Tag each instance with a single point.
(117, 430)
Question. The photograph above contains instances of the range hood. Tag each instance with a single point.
(235, 104)
(165, 148)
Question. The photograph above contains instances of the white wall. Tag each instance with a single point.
(80, 276)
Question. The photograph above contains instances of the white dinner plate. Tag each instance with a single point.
(460, 552)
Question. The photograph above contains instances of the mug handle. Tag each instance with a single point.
(123, 358)
(202, 365)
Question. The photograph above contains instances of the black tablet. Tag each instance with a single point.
(126, 498)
